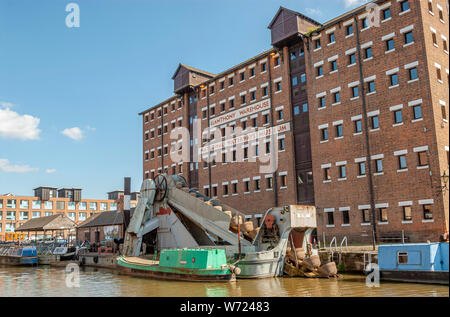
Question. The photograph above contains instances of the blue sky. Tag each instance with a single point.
(70, 97)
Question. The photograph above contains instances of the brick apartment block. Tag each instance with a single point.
(49, 201)
(362, 103)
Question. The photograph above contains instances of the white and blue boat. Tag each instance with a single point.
(415, 262)
(18, 256)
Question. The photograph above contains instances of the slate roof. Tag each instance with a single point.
(55, 222)
(107, 218)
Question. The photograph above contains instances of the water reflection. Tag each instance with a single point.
(49, 281)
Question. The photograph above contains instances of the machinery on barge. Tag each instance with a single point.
(169, 215)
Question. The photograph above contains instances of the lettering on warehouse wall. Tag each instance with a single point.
(240, 113)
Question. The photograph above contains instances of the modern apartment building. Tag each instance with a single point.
(47, 201)
(360, 107)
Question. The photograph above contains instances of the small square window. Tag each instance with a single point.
(417, 112)
(404, 6)
(349, 29)
(402, 162)
(319, 71)
(352, 59)
(398, 118)
(324, 134)
(413, 74)
(337, 97)
(358, 126)
(322, 102)
(379, 166)
(331, 38)
(393, 79)
(339, 131)
(361, 168)
(368, 53)
(375, 124)
(409, 37)
(390, 45)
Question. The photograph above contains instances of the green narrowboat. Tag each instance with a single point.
(195, 265)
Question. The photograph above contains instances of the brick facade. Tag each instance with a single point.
(400, 110)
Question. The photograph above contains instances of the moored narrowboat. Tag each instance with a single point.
(19, 256)
(415, 263)
(196, 265)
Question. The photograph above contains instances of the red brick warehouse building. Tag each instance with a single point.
(361, 106)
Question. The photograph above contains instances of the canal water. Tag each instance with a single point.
(52, 281)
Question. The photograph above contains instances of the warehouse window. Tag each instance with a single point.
(393, 80)
(407, 216)
(349, 30)
(409, 37)
(365, 215)
(355, 92)
(361, 168)
(358, 126)
(339, 131)
(390, 45)
(364, 23)
(235, 188)
(326, 174)
(427, 212)
(398, 117)
(375, 123)
(404, 6)
(333, 66)
(413, 73)
(330, 218)
(417, 112)
(352, 59)
(263, 67)
(317, 44)
(257, 184)
(342, 172)
(367, 53)
(281, 145)
(324, 134)
(383, 214)
(345, 217)
(386, 13)
(276, 61)
(269, 182)
(371, 86)
(331, 38)
(319, 71)
(283, 182)
(247, 186)
(423, 158)
(402, 162)
(225, 190)
(379, 166)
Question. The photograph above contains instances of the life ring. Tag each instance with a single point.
(96, 259)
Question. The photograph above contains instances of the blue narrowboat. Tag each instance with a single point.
(19, 256)
(415, 262)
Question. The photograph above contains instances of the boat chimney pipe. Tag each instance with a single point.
(126, 203)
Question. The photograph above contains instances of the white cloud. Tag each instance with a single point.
(6, 167)
(312, 11)
(354, 3)
(50, 171)
(74, 133)
(16, 126)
